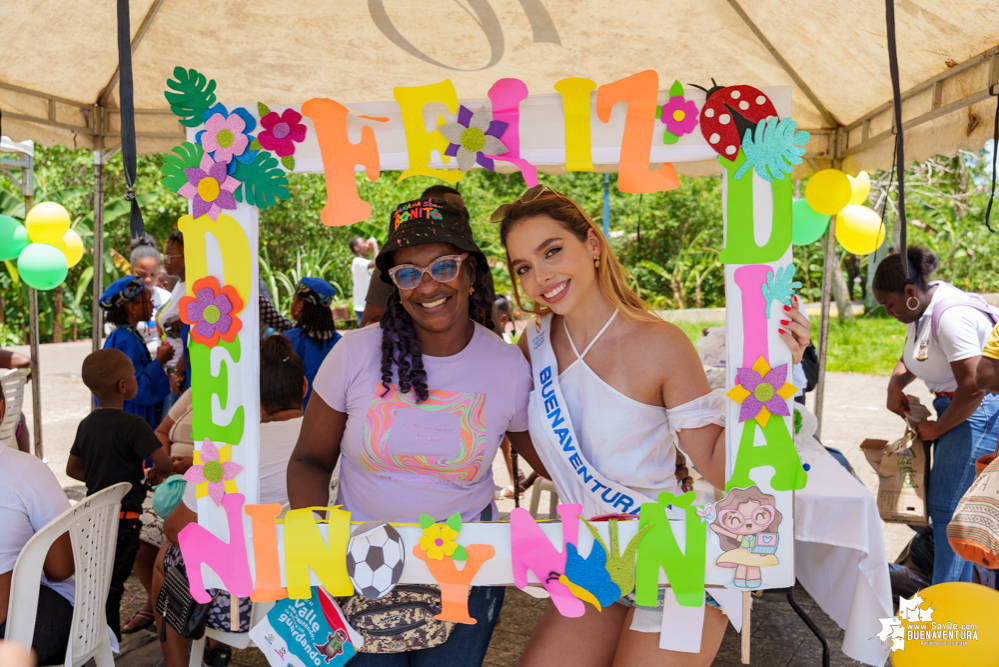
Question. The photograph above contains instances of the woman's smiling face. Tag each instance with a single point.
(432, 305)
(554, 267)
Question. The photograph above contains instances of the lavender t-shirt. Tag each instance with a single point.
(400, 457)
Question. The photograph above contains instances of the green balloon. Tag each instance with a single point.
(42, 266)
(13, 238)
(807, 226)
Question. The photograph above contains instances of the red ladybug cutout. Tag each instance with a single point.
(728, 112)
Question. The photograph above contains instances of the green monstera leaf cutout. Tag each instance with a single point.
(195, 95)
(185, 156)
(264, 183)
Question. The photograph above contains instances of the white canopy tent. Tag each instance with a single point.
(59, 72)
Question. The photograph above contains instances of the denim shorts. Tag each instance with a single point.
(649, 619)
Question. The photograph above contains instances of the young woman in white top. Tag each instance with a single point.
(946, 359)
(629, 383)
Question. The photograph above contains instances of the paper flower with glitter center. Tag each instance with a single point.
(762, 391)
(224, 137)
(211, 312)
(473, 137)
(438, 541)
(282, 132)
(227, 136)
(213, 473)
(210, 188)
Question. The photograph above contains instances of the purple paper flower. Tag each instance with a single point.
(680, 116)
(213, 472)
(473, 137)
(227, 136)
(763, 391)
(210, 188)
(211, 312)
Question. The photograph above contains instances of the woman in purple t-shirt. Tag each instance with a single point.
(419, 405)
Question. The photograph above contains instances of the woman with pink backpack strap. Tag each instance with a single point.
(947, 329)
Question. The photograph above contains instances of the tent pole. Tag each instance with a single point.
(827, 278)
(97, 320)
(36, 367)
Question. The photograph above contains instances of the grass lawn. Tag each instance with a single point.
(871, 345)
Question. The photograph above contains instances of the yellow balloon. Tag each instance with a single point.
(859, 229)
(828, 191)
(957, 604)
(71, 245)
(47, 222)
(860, 188)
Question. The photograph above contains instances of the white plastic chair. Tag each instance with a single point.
(234, 639)
(12, 384)
(542, 484)
(93, 529)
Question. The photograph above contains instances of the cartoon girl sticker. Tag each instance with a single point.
(746, 524)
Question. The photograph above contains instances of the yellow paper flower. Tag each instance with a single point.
(438, 541)
(762, 391)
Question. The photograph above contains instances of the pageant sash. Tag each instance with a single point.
(557, 425)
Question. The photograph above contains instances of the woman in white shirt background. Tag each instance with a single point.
(967, 423)
(282, 392)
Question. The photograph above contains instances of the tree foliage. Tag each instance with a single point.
(668, 241)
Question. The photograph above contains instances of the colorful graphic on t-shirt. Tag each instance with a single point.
(444, 436)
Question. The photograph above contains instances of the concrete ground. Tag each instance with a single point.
(854, 410)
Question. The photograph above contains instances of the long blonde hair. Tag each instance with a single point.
(611, 276)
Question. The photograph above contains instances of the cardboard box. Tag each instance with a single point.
(903, 468)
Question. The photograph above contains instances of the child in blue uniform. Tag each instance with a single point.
(126, 303)
(315, 334)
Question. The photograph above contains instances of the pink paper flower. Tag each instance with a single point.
(225, 137)
(280, 133)
(210, 188)
(680, 116)
(213, 472)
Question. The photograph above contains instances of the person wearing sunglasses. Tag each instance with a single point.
(629, 388)
(126, 302)
(418, 405)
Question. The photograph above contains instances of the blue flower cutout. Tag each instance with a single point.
(773, 149)
(227, 136)
(779, 287)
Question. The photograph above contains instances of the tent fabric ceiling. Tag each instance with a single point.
(359, 50)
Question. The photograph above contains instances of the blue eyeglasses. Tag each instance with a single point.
(443, 269)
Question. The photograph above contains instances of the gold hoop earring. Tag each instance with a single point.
(911, 307)
(596, 263)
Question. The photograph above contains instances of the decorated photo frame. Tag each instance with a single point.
(227, 171)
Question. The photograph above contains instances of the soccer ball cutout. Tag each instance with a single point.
(375, 558)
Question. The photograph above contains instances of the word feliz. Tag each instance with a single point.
(340, 156)
(600, 578)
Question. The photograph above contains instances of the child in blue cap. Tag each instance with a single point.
(126, 302)
(316, 333)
